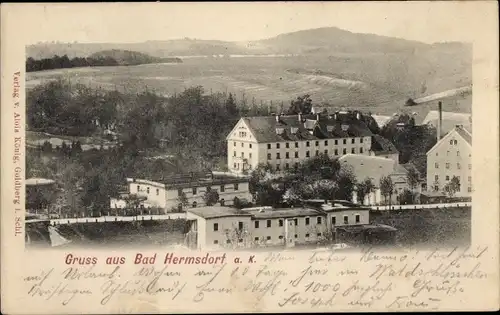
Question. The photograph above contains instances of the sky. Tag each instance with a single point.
(137, 22)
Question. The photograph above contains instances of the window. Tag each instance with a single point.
(357, 218)
(469, 178)
(195, 204)
(287, 166)
(256, 239)
(317, 152)
(234, 143)
(216, 242)
(242, 154)
(222, 188)
(353, 140)
(296, 154)
(360, 140)
(240, 240)
(234, 165)
(458, 153)
(447, 177)
(179, 192)
(360, 150)
(216, 227)
(277, 156)
(269, 146)
(436, 165)
(242, 145)
(458, 166)
(138, 187)
(296, 221)
(353, 150)
(250, 155)
(317, 143)
(222, 201)
(287, 155)
(447, 165)
(157, 191)
(307, 221)
(470, 166)
(345, 141)
(307, 235)
(451, 142)
(194, 191)
(307, 154)
(280, 237)
(228, 241)
(334, 220)
(147, 190)
(280, 222)
(296, 165)
(326, 142)
(344, 151)
(436, 188)
(296, 144)
(307, 144)
(287, 145)
(235, 186)
(346, 219)
(436, 178)
(447, 153)
(277, 145)
(256, 223)
(455, 142)
(277, 167)
(336, 142)
(318, 235)
(234, 153)
(250, 145)
(469, 189)
(268, 238)
(318, 220)
(336, 152)
(326, 151)
(268, 223)
(295, 236)
(240, 225)
(269, 156)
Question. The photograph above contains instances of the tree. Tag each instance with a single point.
(303, 104)
(211, 197)
(237, 235)
(133, 202)
(406, 197)
(452, 187)
(363, 189)
(183, 201)
(386, 188)
(413, 178)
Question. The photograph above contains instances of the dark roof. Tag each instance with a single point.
(201, 179)
(283, 213)
(265, 128)
(367, 228)
(213, 212)
(381, 145)
(464, 134)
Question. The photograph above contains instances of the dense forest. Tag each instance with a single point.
(99, 59)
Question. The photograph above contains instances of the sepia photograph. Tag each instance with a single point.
(295, 136)
(278, 157)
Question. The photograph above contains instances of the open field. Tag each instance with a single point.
(376, 82)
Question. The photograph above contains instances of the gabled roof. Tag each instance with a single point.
(264, 128)
(381, 145)
(459, 130)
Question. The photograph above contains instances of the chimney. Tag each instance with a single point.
(317, 117)
(277, 118)
(358, 116)
(440, 120)
(300, 117)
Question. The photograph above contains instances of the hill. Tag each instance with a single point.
(127, 57)
(327, 40)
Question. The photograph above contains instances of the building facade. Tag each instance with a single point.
(219, 227)
(285, 141)
(169, 193)
(451, 157)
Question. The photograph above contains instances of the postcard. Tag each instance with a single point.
(249, 157)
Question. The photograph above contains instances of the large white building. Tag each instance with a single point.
(218, 227)
(167, 193)
(285, 141)
(451, 156)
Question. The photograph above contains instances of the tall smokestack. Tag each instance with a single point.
(440, 120)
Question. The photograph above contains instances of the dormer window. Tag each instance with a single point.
(294, 130)
(280, 131)
(329, 128)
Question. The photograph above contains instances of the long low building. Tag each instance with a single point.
(223, 227)
(184, 191)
